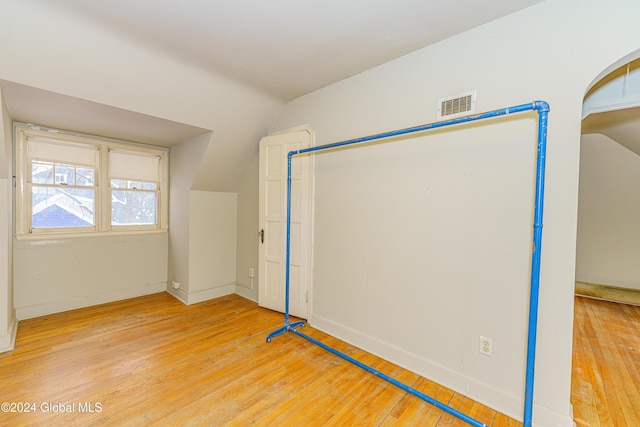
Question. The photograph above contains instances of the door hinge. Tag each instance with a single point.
(306, 296)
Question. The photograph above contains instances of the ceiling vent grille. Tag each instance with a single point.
(457, 106)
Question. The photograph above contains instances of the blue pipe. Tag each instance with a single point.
(542, 108)
(543, 114)
(395, 382)
(287, 325)
(421, 128)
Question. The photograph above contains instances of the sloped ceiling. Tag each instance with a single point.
(623, 126)
(277, 50)
(290, 47)
(45, 108)
(612, 107)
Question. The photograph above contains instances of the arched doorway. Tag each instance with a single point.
(608, 244)
(608, 247)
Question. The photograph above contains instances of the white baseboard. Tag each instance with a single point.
(246, 292)
(194, 297)
(8, 341)
(189, 298)
(180, 294)
(86, 301)
(483, 393)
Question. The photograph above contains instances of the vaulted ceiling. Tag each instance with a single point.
(290, 47)
(269, 52)
(280, 48)
(612, 106)
(623, 126)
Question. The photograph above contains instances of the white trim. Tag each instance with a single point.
(305, 127)
(610, 104)
(83, 301)
(194, 297)
(63, 235)
(102, 203)
(85, 138)
(246, 292)
(240, 290)
(483, 393)
(179, 294)
(8, 342)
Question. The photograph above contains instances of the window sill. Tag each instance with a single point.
(58, 236)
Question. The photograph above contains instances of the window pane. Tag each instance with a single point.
(62, 190)
(62, 207)
(65, 175)
(85, 177)
(42, 173)
(133, 207)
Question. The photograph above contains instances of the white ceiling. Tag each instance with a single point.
(284, 48)
(612, 106)
(623, 126)
(30, 105)
(290, 47)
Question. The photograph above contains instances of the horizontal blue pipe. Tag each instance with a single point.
(393, 381)
(489, 114)
(542, 108)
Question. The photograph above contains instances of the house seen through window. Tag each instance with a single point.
(76, 184)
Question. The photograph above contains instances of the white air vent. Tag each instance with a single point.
(457, 106)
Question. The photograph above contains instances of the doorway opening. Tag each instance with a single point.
(608, 238)
(607, 305)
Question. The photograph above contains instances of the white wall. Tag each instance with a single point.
(7, 314)
(73, 55)
(247, 252)
(212, 245)
(184, 159)
(453, 262)
(49, 48)
(203, 227)
(609, 208)
(67, 273)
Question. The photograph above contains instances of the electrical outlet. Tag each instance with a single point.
(486, 346)
(251, 272)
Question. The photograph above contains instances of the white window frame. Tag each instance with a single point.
(102, 202)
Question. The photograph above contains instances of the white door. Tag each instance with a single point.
(273, 216)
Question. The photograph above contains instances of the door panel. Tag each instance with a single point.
(273, 191)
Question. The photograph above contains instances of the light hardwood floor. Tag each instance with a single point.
(154, 361)
(606, 364)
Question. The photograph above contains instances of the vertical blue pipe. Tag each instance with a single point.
(542, 108)
(287, 325)
(543, 112)
(288, 249)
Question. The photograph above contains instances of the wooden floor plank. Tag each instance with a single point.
(606, 363)
(154, 361)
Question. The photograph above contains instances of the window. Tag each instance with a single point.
(133, 179)
(80, 184)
